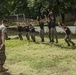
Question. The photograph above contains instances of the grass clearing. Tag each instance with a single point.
(29, 58)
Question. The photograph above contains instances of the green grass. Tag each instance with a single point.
(29, 58)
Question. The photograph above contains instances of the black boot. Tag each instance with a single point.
(42, 40)
(73, 44)
(52, 41)
(68, 44)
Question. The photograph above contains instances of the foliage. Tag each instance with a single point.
(32, 8)
(11, 7)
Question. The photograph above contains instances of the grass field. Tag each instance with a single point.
(29, 58)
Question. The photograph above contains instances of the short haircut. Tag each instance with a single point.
(4, 21)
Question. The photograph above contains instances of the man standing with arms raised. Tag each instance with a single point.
(41, 24)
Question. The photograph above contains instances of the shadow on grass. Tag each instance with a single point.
(43, 43)
(65, 47)
(7, 73)
(58, 45)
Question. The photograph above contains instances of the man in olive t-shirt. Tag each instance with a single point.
(3, 30)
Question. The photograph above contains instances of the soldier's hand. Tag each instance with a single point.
(58, 23)
(1, 46)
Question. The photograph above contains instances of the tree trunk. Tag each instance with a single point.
(63, 17)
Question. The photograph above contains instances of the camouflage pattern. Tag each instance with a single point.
(27, 36)
(42, 34)
(2, 56)
(20, 35)
(49, 34)
(54, 33)
(68, 40)
(33, 36)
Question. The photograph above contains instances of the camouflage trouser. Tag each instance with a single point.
(20, 35)
(68, 39)
(2, 57)
(54, 33)
(42, 34)
(33, 36)
(49, 34)
(27, 36)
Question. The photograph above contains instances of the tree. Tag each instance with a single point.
(32, 8)
(9, 7)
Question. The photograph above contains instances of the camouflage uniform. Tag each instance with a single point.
(54, 33)
(2, 50)
(68, 37)
(41, 24)
(2, 57)
(20, 32)
(49, 27)
(27, 32)
(53, 30)
(32, 32)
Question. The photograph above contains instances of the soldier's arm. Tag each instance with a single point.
(4, 30)
(3, 40)
(61, 26)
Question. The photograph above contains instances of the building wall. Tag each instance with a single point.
(59, 30)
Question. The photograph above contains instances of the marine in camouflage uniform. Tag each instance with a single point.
(67, 35)
(27, 32)
(49, 27)
(53, 30)
(32, 32)
(20, 32)
(3, 30)
(41, 24)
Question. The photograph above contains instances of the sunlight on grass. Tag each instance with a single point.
(39, 58)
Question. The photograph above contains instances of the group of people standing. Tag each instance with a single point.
(29, 30)
(52, 33)
(51, 27)
(52, 30)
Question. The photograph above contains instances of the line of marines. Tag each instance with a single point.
(52, 33)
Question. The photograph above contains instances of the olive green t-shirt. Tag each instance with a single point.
(2, 29)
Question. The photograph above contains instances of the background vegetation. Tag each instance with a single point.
(33, 8)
